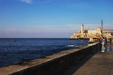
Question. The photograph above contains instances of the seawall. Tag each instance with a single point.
(54, 64)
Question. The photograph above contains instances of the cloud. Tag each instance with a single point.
(26, 1)
(37, 31)
(50, 31)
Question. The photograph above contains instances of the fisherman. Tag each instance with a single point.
(105, 41)
(99, 40)
(110, 41)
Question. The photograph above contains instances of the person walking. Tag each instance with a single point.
(103, 45)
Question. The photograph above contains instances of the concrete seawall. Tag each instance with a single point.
(54, 64)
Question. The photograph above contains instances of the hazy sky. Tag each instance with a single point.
(52, 18)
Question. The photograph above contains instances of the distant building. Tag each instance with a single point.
(86, 34)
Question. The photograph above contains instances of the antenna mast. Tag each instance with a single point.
(102, 27)
(102, 24)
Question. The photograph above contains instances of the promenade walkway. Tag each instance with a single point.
(99, 64)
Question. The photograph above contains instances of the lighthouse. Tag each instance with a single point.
(82, 29)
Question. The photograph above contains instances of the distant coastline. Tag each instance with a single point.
(95, 34)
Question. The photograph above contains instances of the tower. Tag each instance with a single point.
(82, 28)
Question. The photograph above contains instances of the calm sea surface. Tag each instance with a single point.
(19, 50)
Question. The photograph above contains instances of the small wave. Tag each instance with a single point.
(73, 46)
(77, 46)
(70, 45)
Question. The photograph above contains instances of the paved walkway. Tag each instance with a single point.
(99, 64)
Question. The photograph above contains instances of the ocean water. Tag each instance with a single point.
(17, 50)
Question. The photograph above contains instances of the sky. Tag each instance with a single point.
(52, 18)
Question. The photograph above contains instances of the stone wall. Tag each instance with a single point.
(58, 65)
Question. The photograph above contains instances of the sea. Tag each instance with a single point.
(17, 50)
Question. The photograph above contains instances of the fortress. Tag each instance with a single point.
(95, 34)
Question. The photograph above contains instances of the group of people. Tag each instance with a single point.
(103, 42)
